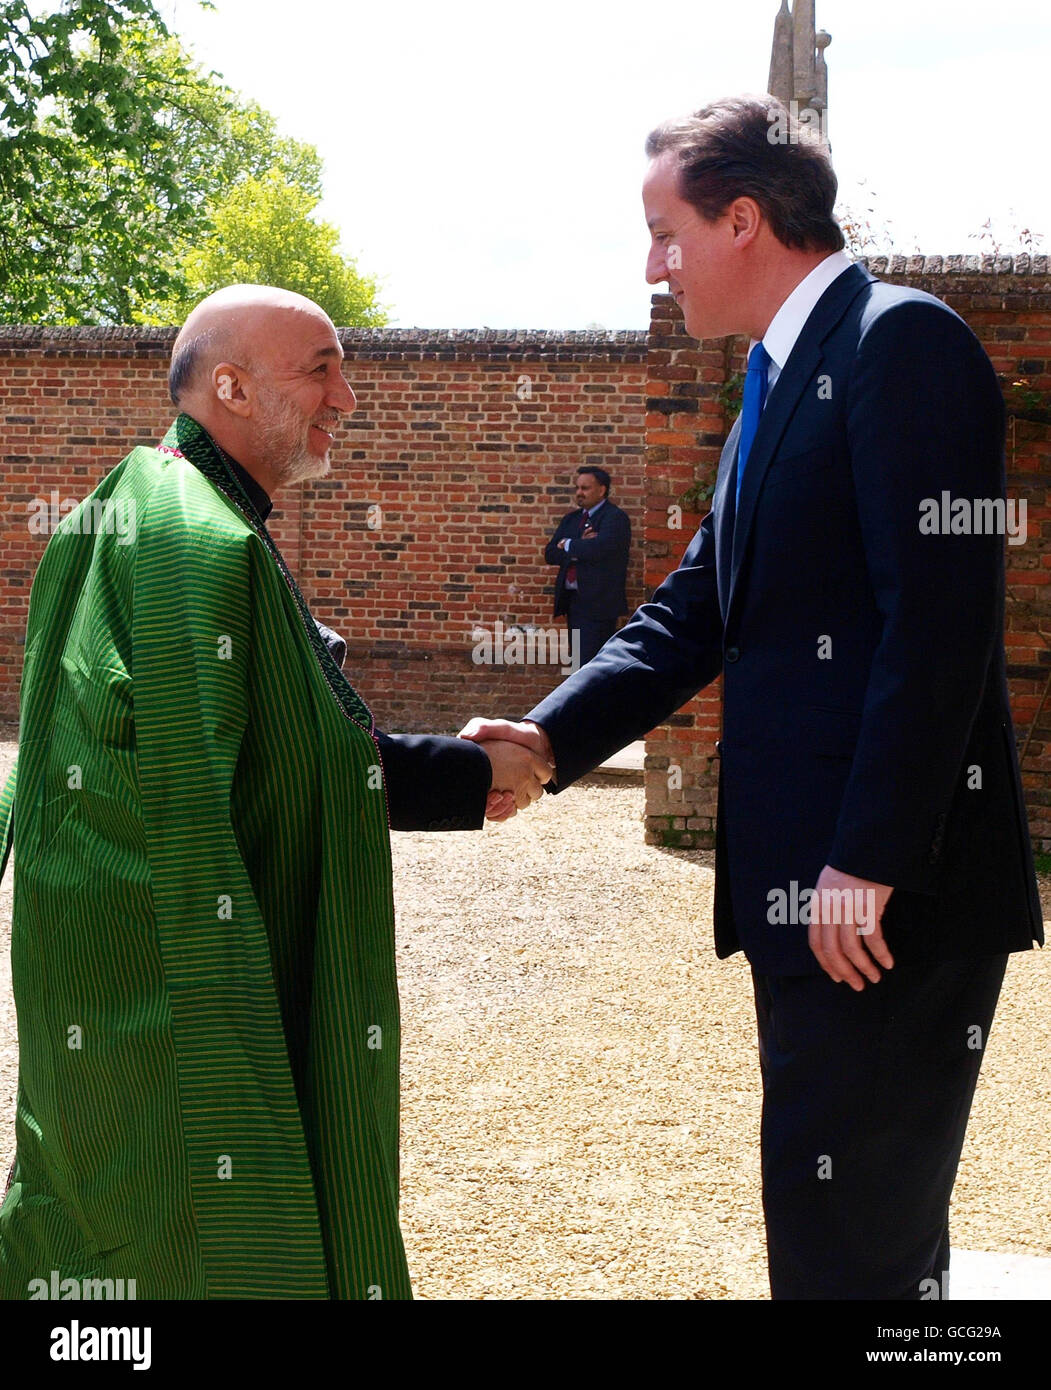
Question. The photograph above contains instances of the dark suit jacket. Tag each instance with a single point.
(432, 782)
(866, 722)
(602, 563)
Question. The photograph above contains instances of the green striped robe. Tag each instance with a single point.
(203, 944)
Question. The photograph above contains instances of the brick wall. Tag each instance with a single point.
(1007, 302)
(466, 442)
(447, 482)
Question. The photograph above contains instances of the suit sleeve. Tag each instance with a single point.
(925, 415)
(668, 650)
(552, 553)
(434, 783)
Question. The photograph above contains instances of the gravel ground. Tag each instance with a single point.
(580, 1080)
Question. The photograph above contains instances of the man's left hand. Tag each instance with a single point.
(846, 931)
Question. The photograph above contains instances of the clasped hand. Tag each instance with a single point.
(522, 762)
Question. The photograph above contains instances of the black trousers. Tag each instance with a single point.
(594, 632)
(866, 1098)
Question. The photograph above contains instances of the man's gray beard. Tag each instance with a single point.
(281, 422)
(304, 465)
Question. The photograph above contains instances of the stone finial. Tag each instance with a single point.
(781, 59)
(798, 72)
(820, 99)
(803, 45)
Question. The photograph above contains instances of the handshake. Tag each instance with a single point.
(522, 761)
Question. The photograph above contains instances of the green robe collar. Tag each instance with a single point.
(196, 445)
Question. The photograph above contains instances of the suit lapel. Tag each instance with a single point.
(796, 374)
(723, 516)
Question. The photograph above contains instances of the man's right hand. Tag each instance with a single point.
(526, 734)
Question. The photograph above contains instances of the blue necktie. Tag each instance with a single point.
(754, 400)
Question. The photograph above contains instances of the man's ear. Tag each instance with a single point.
(747, 218)
(228, 385)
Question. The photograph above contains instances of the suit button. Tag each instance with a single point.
(732, 653)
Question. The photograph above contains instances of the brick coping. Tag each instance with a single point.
(453, 343)
(584, 344)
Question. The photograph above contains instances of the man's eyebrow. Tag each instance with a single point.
(336, 352)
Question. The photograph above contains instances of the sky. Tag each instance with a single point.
(484, 158)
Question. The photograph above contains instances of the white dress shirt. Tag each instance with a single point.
(787, 324)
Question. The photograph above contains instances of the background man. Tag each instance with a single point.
(203, 945)
(591, 548)
(867, 742)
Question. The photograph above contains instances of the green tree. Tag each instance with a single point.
(83, 149)
(116, 149)
(263, 232)
(70, 56)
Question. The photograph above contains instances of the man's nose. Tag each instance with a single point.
(656, 267)
(343, 397)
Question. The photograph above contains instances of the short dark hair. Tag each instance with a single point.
(600, 475)
(727, 150)
(184, 364)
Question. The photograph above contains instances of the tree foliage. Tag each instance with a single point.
(84, 159)
(263, 232)
(117, 152)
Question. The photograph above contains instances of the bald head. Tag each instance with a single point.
(233, 323)
(261, 369)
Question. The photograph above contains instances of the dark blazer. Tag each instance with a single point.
(866, 722)
(602, 563)
(432, 782)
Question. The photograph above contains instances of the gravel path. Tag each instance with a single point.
(580, 1080)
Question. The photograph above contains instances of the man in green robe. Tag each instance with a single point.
(203, 936)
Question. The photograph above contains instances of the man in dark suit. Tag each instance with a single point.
(591, 548)
(873, 860)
